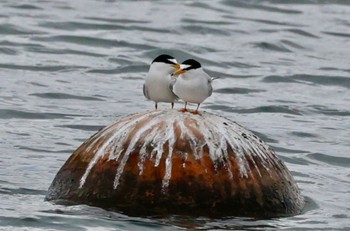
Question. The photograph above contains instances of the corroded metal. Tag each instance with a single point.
(170, 162)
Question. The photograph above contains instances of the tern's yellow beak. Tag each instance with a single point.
(178, 72)
(176, 65)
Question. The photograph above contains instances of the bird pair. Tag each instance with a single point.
(167, 81)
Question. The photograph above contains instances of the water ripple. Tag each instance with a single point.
(53, 95)
(93, 128)
(9, 29)
(237, 90)
(25, 7)
(79, 26)
(279, 79)
(198, 29)
(97, 26)
(260, 109)
(304, 134)
(65, 51)
(202, 5)
(38, 84)
(337, 34)
(239, 65)
(325, 80)
(293, 44)
(16, 114)
(91, 41)
(334, 69)
(314, 79)
(205, 22)
(46, 68)
(333, 160)
(271, 46)
(121, 70)
(17, 44)
(271, 109)
(23, 191)
(119, 21)
(301, 32)
(321, 109)
(38, 150)
(266, 21)
(8, 51)
(308, 2)
(253, 5)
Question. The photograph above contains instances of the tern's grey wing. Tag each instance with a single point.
(145, 91)
(210, 88)
(171, 86)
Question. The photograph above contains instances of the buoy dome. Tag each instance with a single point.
(170, 162)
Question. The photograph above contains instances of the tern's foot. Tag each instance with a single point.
(196, 112)
(183, 110)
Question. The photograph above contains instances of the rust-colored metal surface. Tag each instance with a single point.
(169, 162)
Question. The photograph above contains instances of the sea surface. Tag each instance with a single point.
(69, 68)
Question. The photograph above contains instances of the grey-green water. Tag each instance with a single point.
(68, 68)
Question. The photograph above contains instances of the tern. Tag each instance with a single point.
(193, 84)
(157, 86)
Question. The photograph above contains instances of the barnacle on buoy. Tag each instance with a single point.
(169, 162)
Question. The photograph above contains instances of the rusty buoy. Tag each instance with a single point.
(170, 162)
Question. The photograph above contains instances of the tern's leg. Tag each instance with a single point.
(172, 105)
(184, 109)
(156, 106)
(196, 111)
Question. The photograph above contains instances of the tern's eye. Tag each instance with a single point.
(173, 61)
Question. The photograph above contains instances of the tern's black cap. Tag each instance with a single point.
(163, 59)
(193, 64)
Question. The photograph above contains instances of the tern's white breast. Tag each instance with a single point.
(192, 88)
(157, 83)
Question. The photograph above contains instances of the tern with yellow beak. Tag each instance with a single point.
(193, 84)
(157, 85)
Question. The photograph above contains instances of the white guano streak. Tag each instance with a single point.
(143, 150)
(185, 132)
(219, 134)
(133, 142)
(114, 131)
(170, 134)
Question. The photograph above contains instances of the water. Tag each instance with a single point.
(68, 68)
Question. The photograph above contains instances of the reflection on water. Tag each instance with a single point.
(68, 68)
